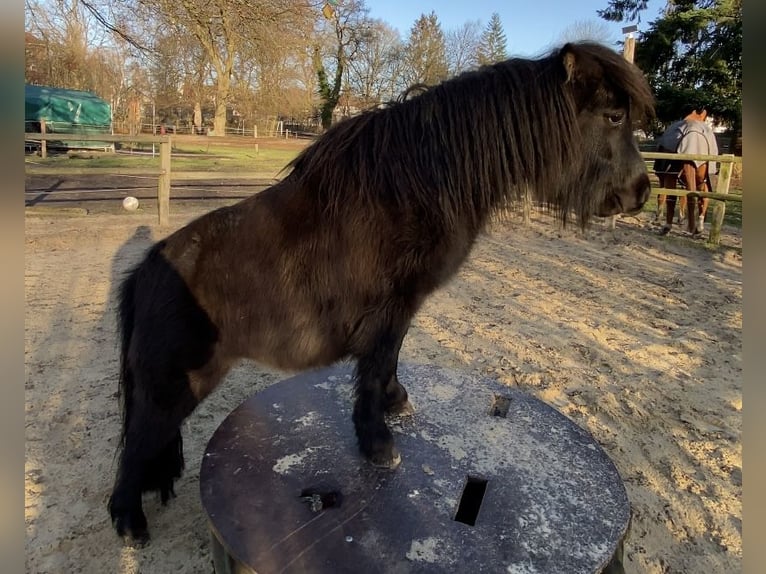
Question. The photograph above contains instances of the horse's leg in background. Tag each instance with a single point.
(375, 372)
(682, 207)
(661, 203)
(682, 200)
(689, 177)
(701, 179)
(669, 181)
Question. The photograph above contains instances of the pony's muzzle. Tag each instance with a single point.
(645, 188)
(642, 189)
(629, 200)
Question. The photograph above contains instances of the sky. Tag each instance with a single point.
(531, 26)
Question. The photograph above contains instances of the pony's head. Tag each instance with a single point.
(611, 98)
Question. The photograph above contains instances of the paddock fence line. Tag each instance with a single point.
(163, 173)
(720, 196)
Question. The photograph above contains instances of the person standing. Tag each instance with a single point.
(691, 135)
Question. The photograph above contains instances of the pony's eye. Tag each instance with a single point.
(616, 118)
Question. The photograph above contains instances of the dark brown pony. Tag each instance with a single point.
(333, 261)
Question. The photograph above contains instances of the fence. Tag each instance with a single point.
(720, 195)
(268, 129)
(163, 173)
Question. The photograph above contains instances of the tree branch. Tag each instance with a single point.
(114, 29)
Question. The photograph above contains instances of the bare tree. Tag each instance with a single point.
(67, 48)
(375, 73)
(463, 47)
(337, 43)
(223, 29)
(594, 30)
(279, 77)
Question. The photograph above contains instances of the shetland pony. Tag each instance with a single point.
(333, 261)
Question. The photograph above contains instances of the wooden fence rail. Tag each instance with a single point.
(720, 195)
(163, 175)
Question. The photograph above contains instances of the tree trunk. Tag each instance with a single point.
(219, 122)
(326, 113)
(223, 85)
(329, 94)
(221, 101)
(197, 117)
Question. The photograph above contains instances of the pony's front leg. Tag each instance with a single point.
(378, 390)
(396, 397)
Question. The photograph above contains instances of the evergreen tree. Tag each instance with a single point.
(691, 53)
(426, 52)
(492, 47)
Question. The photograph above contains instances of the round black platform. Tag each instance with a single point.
(491, 480)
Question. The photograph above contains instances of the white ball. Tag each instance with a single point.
(130, 203)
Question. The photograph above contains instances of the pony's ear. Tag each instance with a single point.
(583, 74)
(569, 60)
(576, 63)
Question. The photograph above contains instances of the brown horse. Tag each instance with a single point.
(688, 136)
(333, 261)
(692, 178)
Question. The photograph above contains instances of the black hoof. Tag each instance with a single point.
(130, 525)
(378, 447)
(136, 540)
(134, 534)
(403, 409)
(389, 461)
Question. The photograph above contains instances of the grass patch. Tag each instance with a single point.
(186, 157)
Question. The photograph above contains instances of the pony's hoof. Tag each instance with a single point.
(132, 536)
(132, 528)
(387, 462)
(136, 539)
(404, 409)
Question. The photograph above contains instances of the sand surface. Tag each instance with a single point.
(637, 338)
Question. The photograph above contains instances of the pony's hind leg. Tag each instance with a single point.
(170, 360)
(152, 453)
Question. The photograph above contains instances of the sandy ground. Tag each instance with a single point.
(637, 338)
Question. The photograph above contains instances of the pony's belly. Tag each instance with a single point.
(295, 349)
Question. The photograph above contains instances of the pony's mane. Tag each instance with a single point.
(472, 144)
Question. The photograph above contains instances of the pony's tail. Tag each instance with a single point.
(126, 322)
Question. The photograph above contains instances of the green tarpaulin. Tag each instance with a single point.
(66, 112)
(66, 109)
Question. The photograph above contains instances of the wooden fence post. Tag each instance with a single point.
(163, 184)
(628, 49)
(43, 143)
(719, 207)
